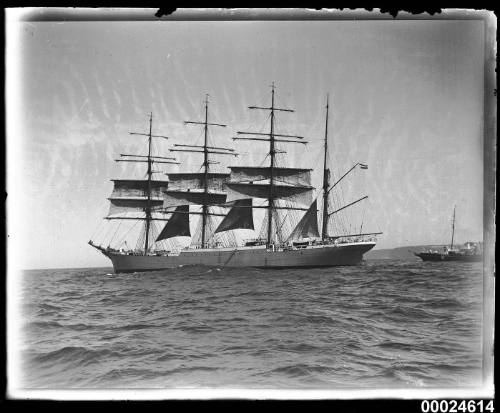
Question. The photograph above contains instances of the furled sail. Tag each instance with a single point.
(126, 205)
(126, 188)
(240, 216)
(301, 194)
(130, 195)
(188, 197)
(292, 176)
(177, 225)
(308, 225)
(181, 181)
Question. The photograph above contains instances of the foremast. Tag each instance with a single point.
(140, 195)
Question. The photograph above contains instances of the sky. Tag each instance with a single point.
(406, 98)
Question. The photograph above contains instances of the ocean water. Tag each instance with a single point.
(384, 324)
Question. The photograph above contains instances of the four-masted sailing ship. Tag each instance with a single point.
(227, 203)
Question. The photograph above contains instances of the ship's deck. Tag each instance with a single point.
(281, 248)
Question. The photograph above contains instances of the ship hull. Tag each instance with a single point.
(260, 257)
(429, 256)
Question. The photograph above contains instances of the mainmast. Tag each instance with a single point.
(272, 153)
(206, 150)
(205, 176)
(324, 230)
(453, 227)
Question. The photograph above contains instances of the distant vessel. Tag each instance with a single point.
(470, 252)
(231, 198)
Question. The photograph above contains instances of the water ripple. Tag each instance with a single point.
(382, 324)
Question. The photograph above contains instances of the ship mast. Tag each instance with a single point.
(149, 173)
(272, 153)
(205, 177)
(453, 227)
(206, 150)
(324, 230)
(270, 201)
(150, 159)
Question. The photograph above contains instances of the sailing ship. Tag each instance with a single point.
(470, 252)
(226, 203)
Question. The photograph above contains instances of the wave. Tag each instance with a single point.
(73, 355)
(446, 303)
(396, 345)
(300, 370)
(133, 327)
(411, 312)
(194, 328)
(49, 307)
(341, 325)
(43, 324)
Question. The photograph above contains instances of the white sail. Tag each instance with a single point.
(301, 194)
(130, 195)
(292, 176)
(127, 188)
(214, 180)
(126, 205)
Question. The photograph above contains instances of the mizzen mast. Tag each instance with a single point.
(324, 229)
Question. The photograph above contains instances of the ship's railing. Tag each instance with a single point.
(199, 245)
(305, 243)
(254, 241)
(351, 239)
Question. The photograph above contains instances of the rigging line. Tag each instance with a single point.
(102, 236)
(341, 201)
(96, 230)
(130, 229)
(362, 221)
(98, 236)
(108, 232)
(117, 228)
(140, 240)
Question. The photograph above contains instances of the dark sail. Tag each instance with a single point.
(308, 225)
(178, 224)
(239, 217)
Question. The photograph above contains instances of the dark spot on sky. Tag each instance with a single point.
(165, 11)
(393, 11)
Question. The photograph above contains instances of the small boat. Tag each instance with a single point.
(470, 252)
